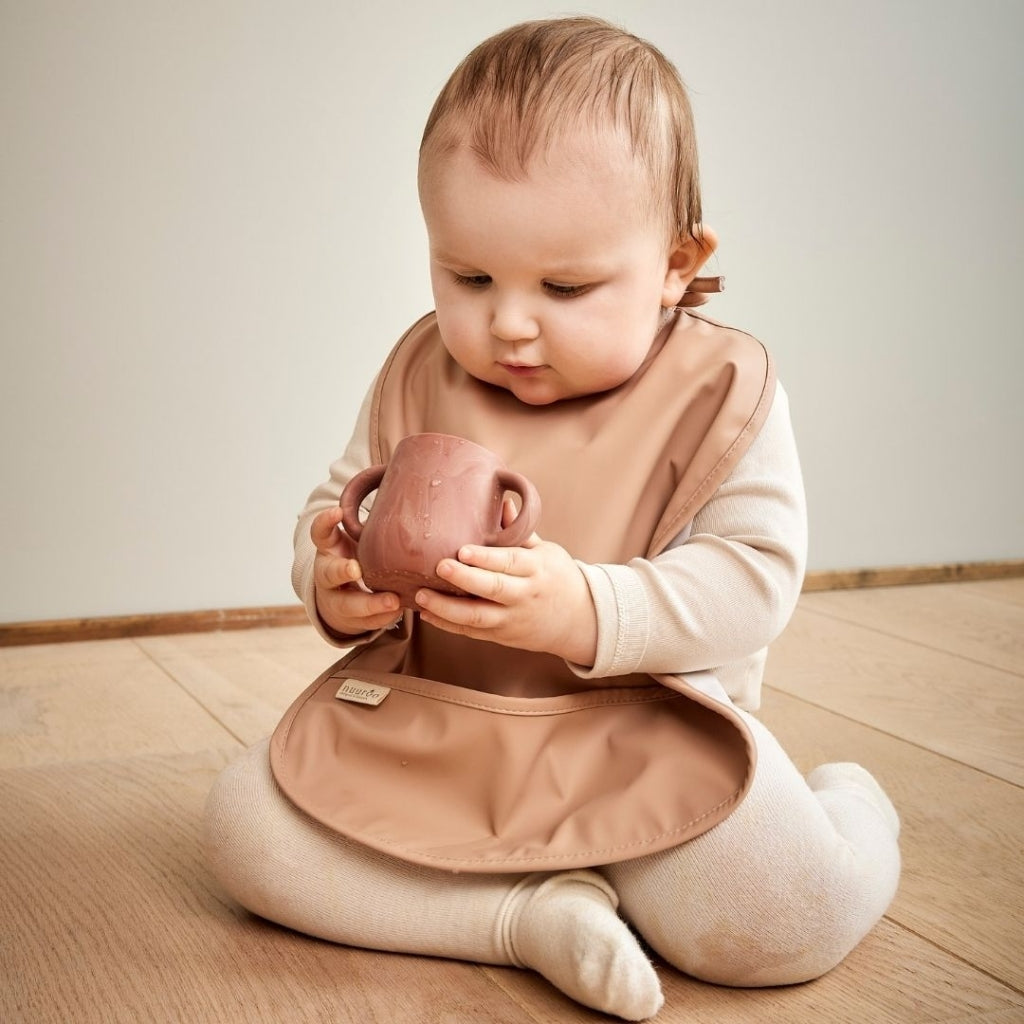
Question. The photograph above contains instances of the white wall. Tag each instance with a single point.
(209, 238)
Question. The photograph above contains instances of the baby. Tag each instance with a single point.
(558, 182)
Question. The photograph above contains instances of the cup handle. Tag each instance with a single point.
(523, 525)
(352, 497)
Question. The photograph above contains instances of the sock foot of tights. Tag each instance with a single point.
(566, 928)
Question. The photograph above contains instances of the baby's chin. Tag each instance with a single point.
(550, 390)
(538, 392)
(539, 401)
(531, 391)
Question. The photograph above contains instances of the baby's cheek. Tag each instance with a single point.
(609, 369)
(471, 354)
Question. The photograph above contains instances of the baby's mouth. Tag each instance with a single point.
(521, 369)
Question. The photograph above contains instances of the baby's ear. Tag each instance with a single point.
(687, 256)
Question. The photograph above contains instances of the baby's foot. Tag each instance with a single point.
(845, 775)
(566, 929)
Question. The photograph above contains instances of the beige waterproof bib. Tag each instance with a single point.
(470, 756)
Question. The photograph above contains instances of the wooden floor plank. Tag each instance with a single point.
(110, 916)
(1011, 1016)
(246, 680)
(65, 702)
(957, 707)
(1010, 591)
(962, 885)
(960, 618)
(298, 646)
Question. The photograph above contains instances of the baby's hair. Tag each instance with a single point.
(518, 91)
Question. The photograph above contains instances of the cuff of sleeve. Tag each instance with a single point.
(622, 622)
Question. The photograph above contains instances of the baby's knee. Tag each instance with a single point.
(234, 832)
(753, 955)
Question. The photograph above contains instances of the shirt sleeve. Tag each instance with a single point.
(723, 593)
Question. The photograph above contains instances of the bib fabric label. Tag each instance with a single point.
(359, 692)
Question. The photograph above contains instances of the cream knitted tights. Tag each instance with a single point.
(779, 892)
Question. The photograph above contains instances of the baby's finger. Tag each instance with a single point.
(457, 614)
(324, 530)
(330, 573)
(510, 561)
(369, 610)
(509, 512)
(493, 585)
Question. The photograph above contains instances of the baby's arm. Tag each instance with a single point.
(325, 573)
(730, 588)
(721, 596)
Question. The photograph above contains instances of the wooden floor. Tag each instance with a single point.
(107, 749)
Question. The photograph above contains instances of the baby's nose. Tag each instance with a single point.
(511, 321)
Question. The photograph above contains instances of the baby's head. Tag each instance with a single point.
(558, 181)
(523, 90)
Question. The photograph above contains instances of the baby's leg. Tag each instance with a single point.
(781, 890)
(281, 864)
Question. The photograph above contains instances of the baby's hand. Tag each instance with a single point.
(534, 597)
(343, 605)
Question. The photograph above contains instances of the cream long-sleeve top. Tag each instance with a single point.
(707, 607)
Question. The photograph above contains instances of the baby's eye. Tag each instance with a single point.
(565, 291)
(472, 280)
